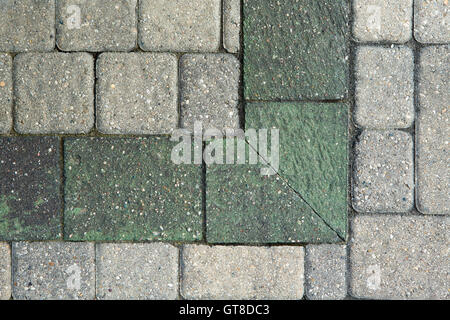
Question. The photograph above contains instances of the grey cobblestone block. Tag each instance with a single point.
(399, 257)
(384, 87)
(54, 92)
(27, 25)
(137, 93)
(53, 270)
(179, 25)
(383, 177)
(382, 20)
(5, 271)
(96, 25)
(325, 272)
(433, 131)
(432, 21)
(209, 90)
(231, 25)
(242, 272)
(6, 87)
(137, 271)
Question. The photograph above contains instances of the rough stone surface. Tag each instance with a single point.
(432, 21)
(382, 20)
(295, 49)
(6, 87)
(5, 271)
(54, 92)
(129, 189)
(399, 257)
(209, 91)
(383, 176)
(179, 25)
(27, 25)
(96, 25)
(325, 272)
(384, 87)
(433, 131)
(231, 25)
(242, 272)
(30, 203)
(53, 271)
(137, 271)
(137, 93)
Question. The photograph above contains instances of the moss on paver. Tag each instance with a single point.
(129, 189)
(295, 49)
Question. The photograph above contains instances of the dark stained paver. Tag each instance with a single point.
(295, 49)
(30, 202)
(128, 189)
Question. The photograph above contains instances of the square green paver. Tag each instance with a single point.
(129, 189)
(295, 50)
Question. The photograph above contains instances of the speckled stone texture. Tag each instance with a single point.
(138, 271)
(325, 272)
(242, 272)
(432, 21)
(384, 87)
(209, 91)
(399, 257)
(5, 271)
(6, 95)
(129, 189)
(382, 20)
(30, 202)
(295, 49)
(27, 25)
(383, 174)
(137, 93)
(179, 25)
(96, 25)
(53, 271)
(231, 25)
(54, 92)
(433, 131)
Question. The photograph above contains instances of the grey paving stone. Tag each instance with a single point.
(6, 88)
(96, 25)
(209, 90)
(231, 25)
(399, 257)
(179, 25)
(242, 272)
(432, 21)
(325, 272)
(5, 271)
(53, 270)
(384, 87)
(383, 176)
(137, 93)
(382, 20)
(433, 131)
(54, 92)
(27, 25)
(137, 271)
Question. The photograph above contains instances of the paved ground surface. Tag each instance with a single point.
(92, 207)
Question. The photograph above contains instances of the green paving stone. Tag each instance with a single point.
(242, 206)
(30, 201)
(295, 49)
(313, 152)
(128, 189)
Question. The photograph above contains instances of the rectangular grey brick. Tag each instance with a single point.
(433, 131)
(241, 272)
(53, 271)
(136, 271)
(399, 257)
(6, 88)
(432, 21)
(231, 25)
(54, 92)
(5, 271)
